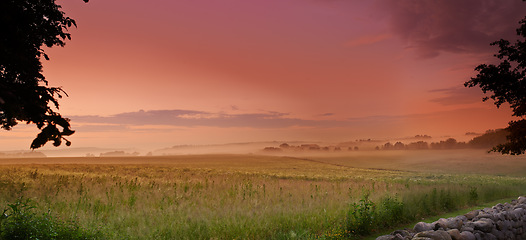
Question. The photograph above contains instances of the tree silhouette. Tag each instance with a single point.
(507, 84)
(26, 27)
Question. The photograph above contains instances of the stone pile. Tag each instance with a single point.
(503, 221)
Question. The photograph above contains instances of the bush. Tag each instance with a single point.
(361, 217)
(19, 221)
(391, 212)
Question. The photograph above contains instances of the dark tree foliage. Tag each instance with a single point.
(490, 139)
(506, 83)
(26, 27)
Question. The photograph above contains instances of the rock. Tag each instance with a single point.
(472, 214)
(454, 223)
(467, 236)
(519, 212)
(484, 224)
(485, 215)
(385, 237)
(467, 229)
(434, 235)
(403, 233)
(501, 216)
(498, 234)
(442, 224)
(503, 225)
(422, 227)
(490, 236)
(479, 235)
(454, 234)
(463, 218)
(499, 207)
(400, 237)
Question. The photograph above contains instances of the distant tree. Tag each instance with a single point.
(420, 145)
(387, 146)
(284, 145)
(425, 136)
(449, 143)
(272, 149)
(399, 146)
(27, 26)
(507, 84)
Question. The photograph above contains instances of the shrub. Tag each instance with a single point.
(19, 221)
(473, 195)
(391, 211)
(361, 216)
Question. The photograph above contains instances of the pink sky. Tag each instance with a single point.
(158, 73)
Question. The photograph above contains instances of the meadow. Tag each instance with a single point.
(245, 196)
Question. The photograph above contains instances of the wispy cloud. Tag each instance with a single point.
(326, 114)
(367, 40)
(457, 96)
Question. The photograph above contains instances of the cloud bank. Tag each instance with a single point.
(192, 118)
(268, 120)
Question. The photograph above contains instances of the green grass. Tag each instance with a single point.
(19, 221)
(240, 196)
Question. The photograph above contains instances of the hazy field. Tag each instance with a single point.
(255, 196)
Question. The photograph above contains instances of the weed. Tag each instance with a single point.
(473, 195)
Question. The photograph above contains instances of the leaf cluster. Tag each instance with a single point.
(27, 26)
(506, 83)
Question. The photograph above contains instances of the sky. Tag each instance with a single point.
(153, 74)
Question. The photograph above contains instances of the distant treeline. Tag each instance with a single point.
(485, 141)
(31, 154)
(488, 140)
(308, 147)
(115, 154)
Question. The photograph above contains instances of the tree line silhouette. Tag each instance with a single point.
(487, 140)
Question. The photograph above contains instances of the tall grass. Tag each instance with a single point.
(368, 216)
(170, 202)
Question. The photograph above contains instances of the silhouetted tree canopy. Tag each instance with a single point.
(507, 84)
(490, 139)
(26, 27)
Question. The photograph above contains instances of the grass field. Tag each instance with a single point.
(333, 196)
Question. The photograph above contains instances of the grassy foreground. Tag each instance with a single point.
(246, 196)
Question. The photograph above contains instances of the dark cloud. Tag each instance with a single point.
(466, 26)
(457, 95)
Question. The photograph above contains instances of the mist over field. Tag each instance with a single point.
(262, 190)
